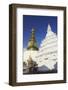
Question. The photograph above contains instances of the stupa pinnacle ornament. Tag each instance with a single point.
(32, 44)
(49, 28)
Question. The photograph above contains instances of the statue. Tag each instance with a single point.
(32, 65)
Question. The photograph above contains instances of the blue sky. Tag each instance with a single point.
(40, 24)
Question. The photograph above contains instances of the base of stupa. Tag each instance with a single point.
(41, 72)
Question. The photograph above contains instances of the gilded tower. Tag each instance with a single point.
(32, 44)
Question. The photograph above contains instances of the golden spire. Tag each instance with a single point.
(32, 45)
